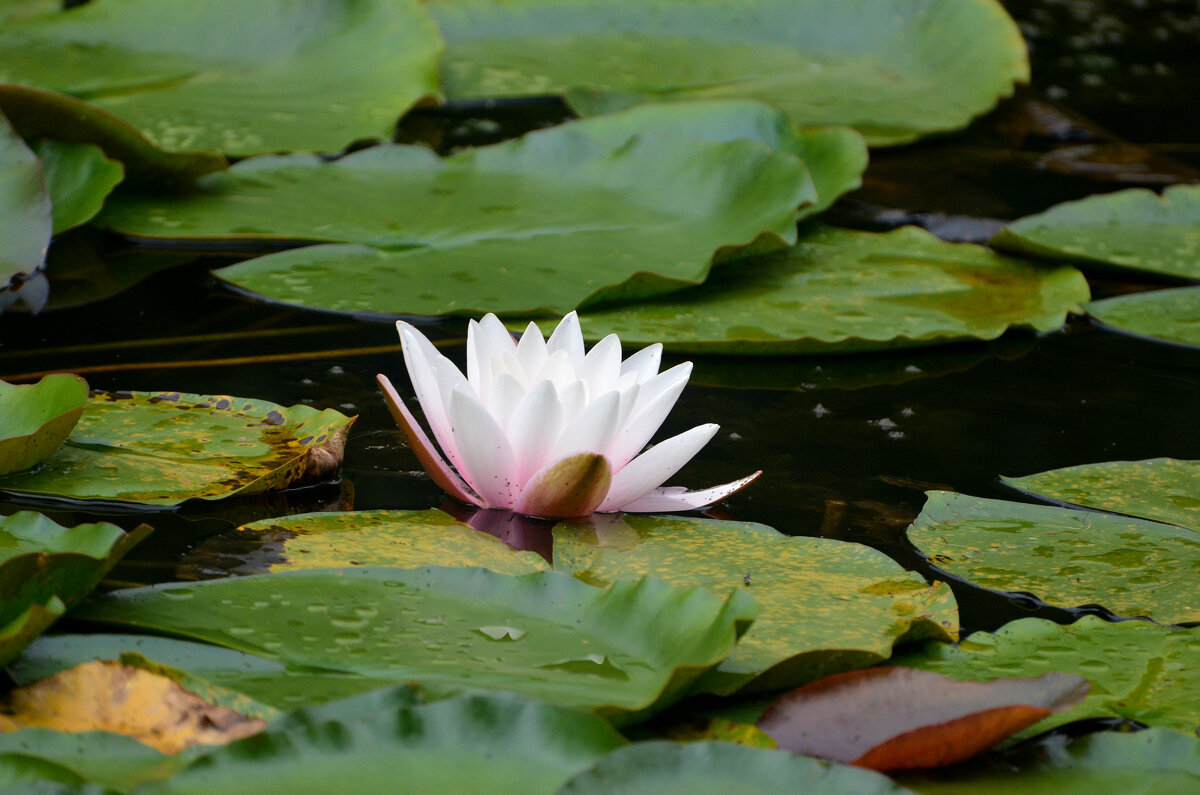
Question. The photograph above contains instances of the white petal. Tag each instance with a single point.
(534, 428)
(531, 351)
(592, 431)
(558, 370)
(644, 364)
(629, 397)
(499, 339)
(568, 337)
(677, 498)
(448, 378)
(572, 399)
(602, 366)
(506, 394)
(649, 470)
(488, 463)
(647, 417)
(422, 370)
(674, 379)
(477, 370)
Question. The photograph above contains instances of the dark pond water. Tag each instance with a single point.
(848, 444)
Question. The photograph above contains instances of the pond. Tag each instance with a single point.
(849, 444)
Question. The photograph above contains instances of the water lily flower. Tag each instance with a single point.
(541, 428)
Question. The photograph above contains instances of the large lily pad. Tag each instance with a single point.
(167, 447)
(827, 605)
(893, 70)
(1064, 557)
(78, 177)
(25, 213)
(1132, 229)
(619, 649)
(110, 760)
(1139, 671)
(714, 768)
(479, 743)
(1167, 315)
(838, 290)
(568, 216)
(36, 418)
(1159, 489)
(240, 78)
(1151, 762)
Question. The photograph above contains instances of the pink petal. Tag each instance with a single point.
(488, 463)
(649, 470)
(568, 488)
(422, 359)
(433, 464)
(677, 498)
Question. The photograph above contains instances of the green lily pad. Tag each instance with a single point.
(1167, 315)
(110, 760)
(567, 216)
(1064, 557)
(838, 290)
(240, 78)
(895, 71)
(166, 447)
(23, 629)
(857, 602)
(78, 177)
(36, 113)
(1139, 671)
(478, 743)
(621, 649)
(1159, 489)
(1151, 762)
(25, 214)
(36, 418)
(714, 768)
(1133, 229)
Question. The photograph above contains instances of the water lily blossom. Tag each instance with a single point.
(541, 428)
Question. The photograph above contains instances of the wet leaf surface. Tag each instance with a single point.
(1064, 557)
(103, 758)
(1138, 671)
(838, 290)
(884, 70)
(1159, 489)
(78, 177)
(166, 447)
(622, 649)
(235, 77)
(901, 718)
(1166, 315)
(35, 419)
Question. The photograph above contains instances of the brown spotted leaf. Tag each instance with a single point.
(108, 696)
(903, 718)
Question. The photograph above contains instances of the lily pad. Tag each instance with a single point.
(1166, 315)
(621, 649)
(22, 630)
(838, 290)
(166, 447)
(567, 216)
(78, 177)
(1138, 671)
(36, 418)
(110, 760)
(478, 743)
(1159, 489)
(1064, 557)
(857, 603)
(1133, 229)
(895, 71)
(25, 214)
(36, 113)
(716, 768)
(239, 78)
(1151, 762)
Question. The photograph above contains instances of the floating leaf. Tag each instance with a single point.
(103, 758)
(25, 216)
(1138, 671)
(22, 630)
(240, 78)
(108, 696)
(1064, 557)
(1155, 761)
(36, 113)
(901, 718)
(621, 649)
(713, 768)
(893, 70)
(1159, 489)
(1168, 315)
(78, 177)
(166, 447)
(857, 602)
(575, 214)
(1133, 229)
(838, 290)
(36, 418)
